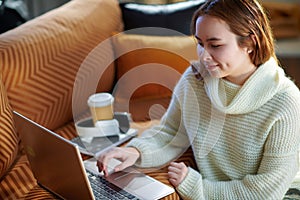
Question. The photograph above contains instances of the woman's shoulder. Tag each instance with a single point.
(289, 96)
(291, 89)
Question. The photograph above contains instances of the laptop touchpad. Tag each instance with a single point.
(132, 180)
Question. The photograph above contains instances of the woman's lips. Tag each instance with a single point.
(212, 67)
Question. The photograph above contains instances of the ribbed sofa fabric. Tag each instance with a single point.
(9, 139)
(16, 178)
(19, 183)
(41, 58)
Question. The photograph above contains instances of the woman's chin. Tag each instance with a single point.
(216, 73)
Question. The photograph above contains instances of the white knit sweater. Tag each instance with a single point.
(245, 139)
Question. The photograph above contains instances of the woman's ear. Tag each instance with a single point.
(253, 43)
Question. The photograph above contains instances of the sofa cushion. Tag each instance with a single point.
(152, 54)
(40, 59)
(175, 16)
(148, 67)
(8, 137)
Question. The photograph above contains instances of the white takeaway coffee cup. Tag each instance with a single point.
(101, 106)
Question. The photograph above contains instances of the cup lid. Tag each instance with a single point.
(100, 99)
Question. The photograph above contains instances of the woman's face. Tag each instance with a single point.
(219, 51)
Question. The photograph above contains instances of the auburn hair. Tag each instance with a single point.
(248, 20)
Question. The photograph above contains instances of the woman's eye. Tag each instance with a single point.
(215, 45)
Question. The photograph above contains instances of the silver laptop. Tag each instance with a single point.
(57, 165)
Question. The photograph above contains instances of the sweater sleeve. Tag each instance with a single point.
(165, 142)
(277, 169)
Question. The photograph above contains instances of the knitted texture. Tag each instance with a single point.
(242, 152)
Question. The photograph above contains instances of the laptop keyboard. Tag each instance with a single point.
(103, 189)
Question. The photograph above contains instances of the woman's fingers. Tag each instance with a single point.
(104, 159)
(177, 172)
(127, 156)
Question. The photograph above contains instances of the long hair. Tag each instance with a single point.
(248, 20)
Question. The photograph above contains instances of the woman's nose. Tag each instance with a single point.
(206, 55)
(203, 54)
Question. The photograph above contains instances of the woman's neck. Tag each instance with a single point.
(242, 78)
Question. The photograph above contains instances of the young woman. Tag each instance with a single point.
(235, 108)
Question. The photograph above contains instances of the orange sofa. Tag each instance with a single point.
(51, 64)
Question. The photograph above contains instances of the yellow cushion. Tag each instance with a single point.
(8, 137)
(150, 66)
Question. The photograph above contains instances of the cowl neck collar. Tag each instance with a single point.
(260, 87)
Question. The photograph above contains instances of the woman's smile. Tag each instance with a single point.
(212, 67)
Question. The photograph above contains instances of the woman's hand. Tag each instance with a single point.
(177, 172)
(127, 155)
